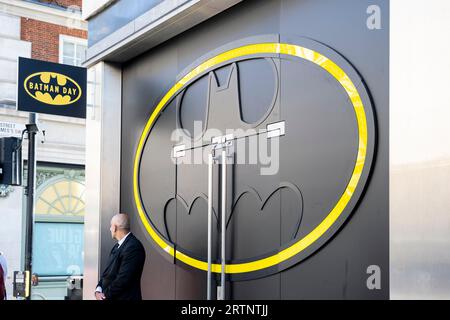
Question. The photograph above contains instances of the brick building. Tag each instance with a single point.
(45, 38)
(51, 30)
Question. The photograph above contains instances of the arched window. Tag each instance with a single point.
(61, 196)
(59, 216)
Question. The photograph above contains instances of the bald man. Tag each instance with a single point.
(121, 279)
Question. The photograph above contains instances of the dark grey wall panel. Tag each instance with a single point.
(267, 288)
(340, 266)
(247, 19)
(145, 80)
(254, 226)
(317, 152)
(154, 164)
(190, 284)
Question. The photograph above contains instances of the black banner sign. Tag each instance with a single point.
(51, 88)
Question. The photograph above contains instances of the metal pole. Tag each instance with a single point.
(210, 191)
(29, 191)
(224, 206)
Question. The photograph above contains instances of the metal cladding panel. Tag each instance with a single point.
(316, 159)
(146, 82)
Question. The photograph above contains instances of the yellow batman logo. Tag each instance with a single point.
(52, 88)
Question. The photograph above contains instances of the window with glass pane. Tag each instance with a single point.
(58, 249)
(59, 221)
(73, 51)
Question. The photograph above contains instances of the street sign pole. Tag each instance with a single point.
(32, 129)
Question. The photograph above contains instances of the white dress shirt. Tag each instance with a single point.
(123, 239)
(99, 289)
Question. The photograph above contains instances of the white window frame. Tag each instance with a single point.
(63, 37)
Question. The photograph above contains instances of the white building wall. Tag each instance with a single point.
(10, 232)
(10, 26)
(419, 149)
(64, 137)
(11, 47)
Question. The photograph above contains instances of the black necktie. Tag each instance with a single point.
(112, 257)
(115, 248)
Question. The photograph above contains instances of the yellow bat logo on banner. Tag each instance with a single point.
(52, 88)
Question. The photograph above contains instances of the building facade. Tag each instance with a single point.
(190, 88)
(183, 57)
(51, 31)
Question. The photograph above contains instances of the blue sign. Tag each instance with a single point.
(58, 249)
(52, 88)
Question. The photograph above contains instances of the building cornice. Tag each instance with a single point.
(87, 14)
(162, 22)
(70, 19)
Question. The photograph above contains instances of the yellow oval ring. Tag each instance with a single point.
(53, 73)
(317, 232)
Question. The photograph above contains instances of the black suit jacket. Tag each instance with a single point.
(121, 279)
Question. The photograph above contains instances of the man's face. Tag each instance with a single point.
(113, 229)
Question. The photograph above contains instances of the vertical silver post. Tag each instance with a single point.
(224, 206)
(210, 191)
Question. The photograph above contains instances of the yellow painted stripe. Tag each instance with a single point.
(316, 233)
